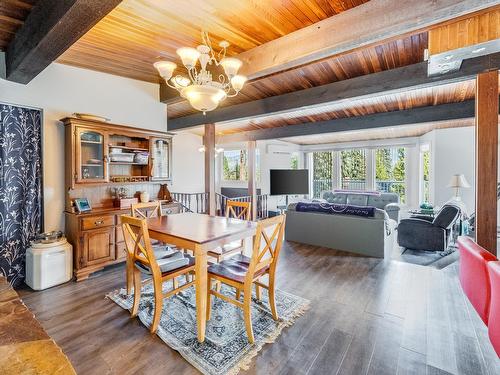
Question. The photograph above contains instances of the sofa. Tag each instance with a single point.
(371, 236)
(389, 202)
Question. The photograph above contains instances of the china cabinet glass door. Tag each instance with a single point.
(91, 158)
(160, 159)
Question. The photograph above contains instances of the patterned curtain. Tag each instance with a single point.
(20, 187)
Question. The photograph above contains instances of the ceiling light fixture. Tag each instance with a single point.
(202, 92)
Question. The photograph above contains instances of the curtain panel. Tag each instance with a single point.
(20, 187)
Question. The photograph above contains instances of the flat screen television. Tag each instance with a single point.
(289, 181)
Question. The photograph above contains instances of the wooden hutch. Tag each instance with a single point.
(101, 157)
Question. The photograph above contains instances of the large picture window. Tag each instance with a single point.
(390, 171)
(353, 169)
(323, 175)
(235, 165)
(383, 169)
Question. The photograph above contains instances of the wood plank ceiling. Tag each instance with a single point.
(139, 32)
(13, 13)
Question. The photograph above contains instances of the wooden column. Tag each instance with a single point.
(486, 159)
(252, 176)
(209, 143)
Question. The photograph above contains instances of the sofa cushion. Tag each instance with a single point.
(332, 197)
(357, 199)
(382, 200)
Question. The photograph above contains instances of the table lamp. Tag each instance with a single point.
(458, 181)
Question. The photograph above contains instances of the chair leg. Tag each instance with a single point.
(129, 274)
(175, 283)
(257, 292)
(238, 294)
(136, 278)
(158, 305)
(272, 299)
(247, 312)
(209, 297)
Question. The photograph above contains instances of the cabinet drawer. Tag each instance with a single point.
(93, 222)
(121, 250)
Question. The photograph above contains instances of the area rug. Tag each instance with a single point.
(226, 349)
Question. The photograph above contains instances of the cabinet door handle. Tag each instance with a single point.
(99, 222)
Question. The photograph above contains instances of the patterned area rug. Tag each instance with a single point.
(226, 349)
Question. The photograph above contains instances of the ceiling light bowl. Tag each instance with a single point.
(203, 97)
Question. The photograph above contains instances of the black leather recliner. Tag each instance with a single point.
(426, 233)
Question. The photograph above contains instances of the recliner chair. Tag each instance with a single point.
(426, 233)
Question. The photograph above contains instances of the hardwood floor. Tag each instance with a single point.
(367, 317)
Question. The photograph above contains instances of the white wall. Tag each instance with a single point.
(61, 90)
(452, 152)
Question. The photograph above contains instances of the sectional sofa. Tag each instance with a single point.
(371, 236)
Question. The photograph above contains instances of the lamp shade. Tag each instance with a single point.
(458, 181)
(165, 68)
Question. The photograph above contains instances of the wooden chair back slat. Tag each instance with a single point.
(146, 210)
(265, 244)
(138, 243)
(238, 210)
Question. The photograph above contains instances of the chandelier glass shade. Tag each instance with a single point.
(199, 88)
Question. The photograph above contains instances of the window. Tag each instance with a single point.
(294, 161)
(235, 167)
(425, 173)
(353, 169)
(390, 171)
(323, 178)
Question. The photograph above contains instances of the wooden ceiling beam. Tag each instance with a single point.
(368, 24)
(415, 116)
(392, 81)
(49, 30)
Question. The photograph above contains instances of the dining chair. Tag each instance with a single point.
(146, 210)
(142, 211)
(242, 272)
(138, 243)
(236, 210)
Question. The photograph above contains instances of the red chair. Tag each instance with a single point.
(494, 316)
(473, 274)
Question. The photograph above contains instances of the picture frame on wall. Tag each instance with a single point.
(82, 205)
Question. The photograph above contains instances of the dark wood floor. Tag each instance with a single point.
(367, 317)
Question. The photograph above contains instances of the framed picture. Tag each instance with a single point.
(82, 205)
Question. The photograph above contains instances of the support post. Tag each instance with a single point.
(209, 143)
(252, 176)
(486, 159)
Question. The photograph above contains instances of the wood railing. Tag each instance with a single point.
(198, 202)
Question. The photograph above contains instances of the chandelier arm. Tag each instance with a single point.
(193, 79)
(171, 86)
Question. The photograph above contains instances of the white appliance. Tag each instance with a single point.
(49, 264)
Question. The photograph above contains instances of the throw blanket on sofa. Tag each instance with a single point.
(334, 208)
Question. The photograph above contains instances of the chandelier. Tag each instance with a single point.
(199, 88)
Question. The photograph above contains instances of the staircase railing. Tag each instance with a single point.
(198, 202)
(221, 204)
(192, 202)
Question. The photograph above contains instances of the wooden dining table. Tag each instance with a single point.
(199, 233)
